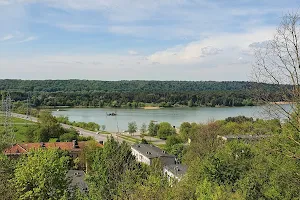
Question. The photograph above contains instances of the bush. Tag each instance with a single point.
(165, 129)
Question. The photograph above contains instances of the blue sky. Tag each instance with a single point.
(135, 39)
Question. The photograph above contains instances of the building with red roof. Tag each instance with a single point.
(74, 148)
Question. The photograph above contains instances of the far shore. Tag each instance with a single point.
(281, 102)
(63, 108)
(151, 107)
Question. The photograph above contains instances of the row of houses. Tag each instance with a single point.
(146, 153)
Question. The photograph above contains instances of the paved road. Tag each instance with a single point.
(98, 137)
(83, 132)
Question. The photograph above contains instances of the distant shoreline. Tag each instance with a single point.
(124, 107)
(281, 102)
(151, 107)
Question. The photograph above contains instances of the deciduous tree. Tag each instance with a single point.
(41, 174)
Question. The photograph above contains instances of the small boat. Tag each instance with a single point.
(111, 114)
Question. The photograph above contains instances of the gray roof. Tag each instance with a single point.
(77, 179)
(244, 137)
(151, 151)
(177, 169)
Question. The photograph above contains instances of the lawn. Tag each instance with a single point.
(19, 130)
(129, 138)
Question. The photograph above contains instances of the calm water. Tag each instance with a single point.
(175, 116)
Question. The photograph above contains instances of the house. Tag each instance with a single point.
(243, 137)
(76, 178)
(145, 153)
(74, 148)
(175, 171)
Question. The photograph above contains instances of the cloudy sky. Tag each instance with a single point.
(135, 39)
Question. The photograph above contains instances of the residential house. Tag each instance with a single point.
(175, 171)
(76, 178)
(145, 153)
(74, 148)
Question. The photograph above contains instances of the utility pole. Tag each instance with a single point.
(28, 108)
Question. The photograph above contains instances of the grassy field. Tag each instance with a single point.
(129, 138)
(20, 127)
(15, 120)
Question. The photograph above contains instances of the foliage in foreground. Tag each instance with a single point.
(41, 175)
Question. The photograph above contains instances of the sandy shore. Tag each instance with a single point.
(281, 102)
(151, 107)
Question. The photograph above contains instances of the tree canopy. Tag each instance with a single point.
(42, 175)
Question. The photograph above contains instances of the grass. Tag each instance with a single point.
(16, 120)
(19, 130)
(104, 132)
(129, 138)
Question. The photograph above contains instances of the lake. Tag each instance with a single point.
(175, 116)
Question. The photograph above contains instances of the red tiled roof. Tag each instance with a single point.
(25, 147)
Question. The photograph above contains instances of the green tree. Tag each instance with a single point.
(272, 174)
(108, 166)
(49, 127)
(143, 128)
(204, 141)
(86, 156)
(177, 150)
(165, 129)
(132, 127)
(103, 127)
(30, 134)
(7, 166)
(152, 128)
(185, 130)
(42, 175)
(154, 185)
(172, 140)
(69, 136)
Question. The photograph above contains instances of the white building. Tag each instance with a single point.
(145, 153)
(175, 171)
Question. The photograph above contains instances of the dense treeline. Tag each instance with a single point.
(127, 86)
(89, 93)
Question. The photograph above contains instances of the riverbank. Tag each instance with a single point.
(63, 108)
(281, 103)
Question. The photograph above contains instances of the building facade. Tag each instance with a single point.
(175, 172)
(145, 153)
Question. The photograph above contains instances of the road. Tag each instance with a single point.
(83, 132)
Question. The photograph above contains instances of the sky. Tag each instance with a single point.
(135, 39)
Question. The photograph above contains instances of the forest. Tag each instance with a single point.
(90, 93)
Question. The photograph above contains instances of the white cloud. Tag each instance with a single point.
(7, 37)
(28, 39)
(216, 53)
(216, 58)
(219, 49)
(132, 52)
